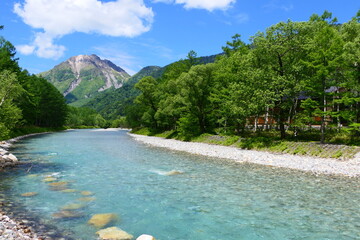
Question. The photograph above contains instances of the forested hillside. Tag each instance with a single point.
(25, 99)
(116, 102)
(289, 78)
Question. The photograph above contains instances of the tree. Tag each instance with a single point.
(10, 114)
(194, 89)
(350, 33)
(149, 98)
(279, 51)
(234, 46)
(324, 56)
(240, 88)
(170, 102)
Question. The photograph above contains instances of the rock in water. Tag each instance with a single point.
(56, 184)
(12, 157)
(86, 199)
(101, 220)
(68, 190)
(86, 193)
(49, 179)
(73, 206)
(67, 214)
(114, 233)
(145, 237)
(29, 194)
(173, 172)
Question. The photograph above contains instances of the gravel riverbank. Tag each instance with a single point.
(315, 165)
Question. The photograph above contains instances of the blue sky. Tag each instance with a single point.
(138, 33)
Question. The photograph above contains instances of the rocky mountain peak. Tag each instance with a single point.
(83, 76)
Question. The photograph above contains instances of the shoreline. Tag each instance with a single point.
(315, 165)
(7, 159)
(12, 224)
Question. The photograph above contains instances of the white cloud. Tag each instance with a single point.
(25, 49)
(45, 48)
(209, 5)
(57, 18)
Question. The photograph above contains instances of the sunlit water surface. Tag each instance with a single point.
(212, 199)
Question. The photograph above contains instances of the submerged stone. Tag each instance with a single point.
(68, 190)
(145, 237)
(114, 233)
(86, 193)
(49, 179)
(86, 199)
(32, 175)
(73, 206)
(173, 172)
(56, 184)
(103, 219)
(29, 194)
(58, 188)
(67, 214)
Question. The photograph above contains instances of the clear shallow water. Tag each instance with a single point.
(212, 199)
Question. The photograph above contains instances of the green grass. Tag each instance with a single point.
(269, 142)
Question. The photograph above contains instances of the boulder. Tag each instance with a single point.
(101, 220)
(114, 233)
(12, 157)
(3, 151)
(145, 237)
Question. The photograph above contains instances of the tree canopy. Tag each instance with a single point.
(290, 77)
(26, 99)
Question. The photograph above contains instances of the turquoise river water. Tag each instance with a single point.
(211, 199)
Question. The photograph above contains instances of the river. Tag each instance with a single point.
(173, 195)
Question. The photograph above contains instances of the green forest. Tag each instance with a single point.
(296, 80)
(27, 102)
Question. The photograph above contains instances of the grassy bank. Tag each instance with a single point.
(339, 146)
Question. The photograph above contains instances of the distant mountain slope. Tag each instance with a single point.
(82, 77)
(112, 103)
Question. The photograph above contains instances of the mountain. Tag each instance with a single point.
(82, 77)
(112, 103)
